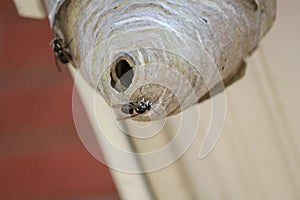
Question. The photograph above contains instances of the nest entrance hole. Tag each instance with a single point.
(121, 74)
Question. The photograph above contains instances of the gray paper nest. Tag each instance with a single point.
(172, 53)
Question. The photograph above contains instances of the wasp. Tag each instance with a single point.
(138, 107)
(133, 109)
(61, 53)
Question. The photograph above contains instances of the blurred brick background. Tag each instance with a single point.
(41, 156)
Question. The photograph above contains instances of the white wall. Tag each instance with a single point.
(258, 155)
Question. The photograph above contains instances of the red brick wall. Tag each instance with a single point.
(41, 156)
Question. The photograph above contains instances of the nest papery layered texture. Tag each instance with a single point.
(168, 52)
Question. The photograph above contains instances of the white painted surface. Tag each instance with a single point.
(258, 156)
(30, 8)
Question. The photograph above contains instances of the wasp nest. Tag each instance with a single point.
(169, 53)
